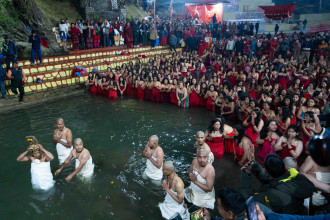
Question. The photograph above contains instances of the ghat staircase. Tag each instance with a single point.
(56, 72)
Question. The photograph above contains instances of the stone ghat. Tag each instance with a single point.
(56, 72)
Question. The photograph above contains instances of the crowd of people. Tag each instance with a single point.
(267, 92)
(267, 97)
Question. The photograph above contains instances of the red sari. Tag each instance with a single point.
(173, 98)
(155, 97)
(104, 91)
(129, 35)
(129, 90)
(92, 88)
(239, 152)
(147, 93)
(252, 134)
(209, 104)
(216, 146)
(112, 94)
(75, 34)
(194, 99)
(139, 93)
(229, 143)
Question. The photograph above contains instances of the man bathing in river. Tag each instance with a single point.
(200, 144)
(41, 175)
(155, 156)
(202, 174)
(173, 185)
(63, 140)
(84, 162)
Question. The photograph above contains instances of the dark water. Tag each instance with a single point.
(115, 132)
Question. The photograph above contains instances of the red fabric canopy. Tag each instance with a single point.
(278, 12)
(206, 12)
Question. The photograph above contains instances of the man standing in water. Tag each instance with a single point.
(63, 140)
(202, 174)
(84, 162)
(173, 185)
(200, 144)
(155, 156)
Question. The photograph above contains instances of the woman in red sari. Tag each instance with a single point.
(139, 84)
(75, 34)
(122, 86)
(164, 35)
(112, 90)
(173, 98)
(104, 86)
(165, 91)
(210, 98)
(254, 124)
(128, 30)
(214, 138)
(243, 147)
(193, 92)
(91, 83)
(156, 90)
(129, 88)
(148, 88)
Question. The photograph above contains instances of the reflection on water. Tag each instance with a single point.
(115, 133)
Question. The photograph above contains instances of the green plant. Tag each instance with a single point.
(8, 16)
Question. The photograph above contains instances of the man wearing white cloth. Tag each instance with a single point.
(202, 174)
(200, 144)
(84, 162)
(63, 140)
(41, 176)
(155, 156)
(173, 185)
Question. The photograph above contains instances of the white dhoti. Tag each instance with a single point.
(41, 175)
(152, 171)
(318, 199)
(211, 157)
(170, 207)
(199, 197)
(87, 171)
(62, 151)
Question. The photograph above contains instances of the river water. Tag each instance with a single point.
(115, 132)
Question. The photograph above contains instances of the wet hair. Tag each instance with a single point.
(264, 130)
(241, 133)
(316, 93)
(286, 113)
(311, 115)
(314, 86)
(274, 165)
(257, 119)
(228, 98)
(296, 129)
(291, 102)
(232, 200)
(169, 165)
(256, 103)
(211, 128)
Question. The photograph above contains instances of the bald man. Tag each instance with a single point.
(173, 185)
(63, 140)
(155, 156)
(200, 144)
(84, 162)
(202, 175)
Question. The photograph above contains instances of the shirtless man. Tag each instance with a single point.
(155, 156)
(84, 162)
(202, 174)
(63, 140)
(200, 144)
(173, 185)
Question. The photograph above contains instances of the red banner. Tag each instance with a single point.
(206, 12)
(278, 12)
